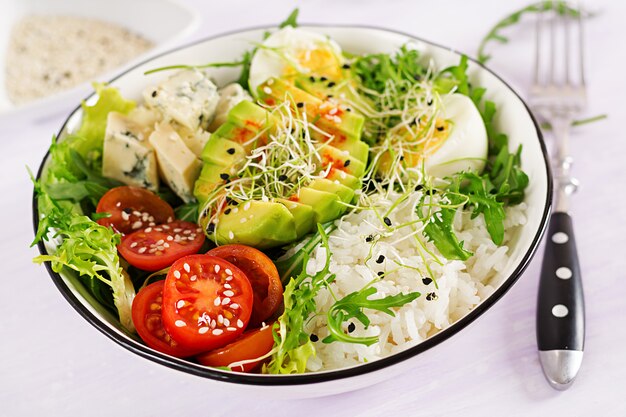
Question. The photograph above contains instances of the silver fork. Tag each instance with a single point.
(559, 96)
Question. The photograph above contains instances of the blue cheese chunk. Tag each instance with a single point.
(127, 155)
(230, 96)
(178, 166)
(188, 97)
(195, 141)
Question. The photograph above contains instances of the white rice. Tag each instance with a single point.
(462, 285)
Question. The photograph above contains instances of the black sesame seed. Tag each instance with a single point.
(348, 109)
(314, 338)
(369, 238)
(427, 280)
(299, 105)
(211, 228)
(440, 128)
(387, 221)
(154, 93)
(381, 273)
(312, 78)
(351, 327)
(345, 66)
(402, 157)
(224, 176)
(127, 210)
(345, 164)
(331, 84)
(227, 211)
(430, 102)
(417, 77)
(418, 187)
(431, 296)
(322, 79)
(380, 259)
(230, 151)
(432, 191)
(329, 96)
(282, 177)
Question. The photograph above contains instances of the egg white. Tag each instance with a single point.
(284, 50)
(466, 147)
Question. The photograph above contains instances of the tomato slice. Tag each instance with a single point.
(157, 247)
(251, 345)
(207, 302)
(263, 276)
(146, 315)
(133, 208)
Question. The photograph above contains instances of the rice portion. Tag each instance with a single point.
(357, 245)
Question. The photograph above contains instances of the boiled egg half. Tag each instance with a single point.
(293, 51)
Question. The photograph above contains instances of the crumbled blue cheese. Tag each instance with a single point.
(230, 96)
(188, 97)
(178, 166)
(127, 155)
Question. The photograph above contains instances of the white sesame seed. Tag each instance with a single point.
(160, 248)
(227, 285)
(217, 332)
(118, 204)
(270, 81)
(153, 250)
(165, 227)
(142, 250)
(193, 278)
(228, 272)
(234, 306)
(170, 238)
(236, 210)
(217, 301)
(176, 273)
(220, 319)
(148, 230)
(180, 323)
(243, 220)
(203, 330)
(187, 268)
(225, 301)
(239, 323)
(125, 216)
(136, 213)
(246, 206)
(132, 245)
(226, 322)
(166, 245)
(231, 235)
(229, 279)
(231, 329)
(180, 304)
(186, 231)
(228, 293)
(160, 242)
(136, 225)
(158, 229)
(333, 111)
(217, 269)
(178, 230)
(267, 90)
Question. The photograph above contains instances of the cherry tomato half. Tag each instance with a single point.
(251, 345)
(157, 247)
(263, 276)
(133, 208)
(146, 315)
(207, 302)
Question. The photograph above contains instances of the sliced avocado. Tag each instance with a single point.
(346, 194)
(251, 116)
(341, 160)
(330, 89)
(241, 135)
(329, 117)
(346, 179)
(303, 215)
(210, 178)
(220, 151)
(326, 206)
(256, 223)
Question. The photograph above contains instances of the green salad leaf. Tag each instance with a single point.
(352, 306)
(291, 20)
(87, 248)
(439, 231)
(292, 344)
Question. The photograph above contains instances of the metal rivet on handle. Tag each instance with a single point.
(564, 272)
(560, 238)
(559, 311)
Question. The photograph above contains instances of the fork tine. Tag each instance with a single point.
(581, 49)
(552, 43)
(566, 30)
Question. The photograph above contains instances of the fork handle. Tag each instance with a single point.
(560, 305)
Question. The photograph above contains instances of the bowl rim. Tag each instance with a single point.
(326, 376)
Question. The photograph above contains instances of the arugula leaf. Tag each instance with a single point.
(187, 212)
(292, 345)
(352, 305)
(495, 33)
(459, 74)
(439, 231)
(87, 248)
(292, 19)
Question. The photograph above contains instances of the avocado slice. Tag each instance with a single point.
(210, 178)
(346, 179)
(346, 194)
(303, 215)
(331, 89)
(326, 206)
(224, 152)
(251, 116)
(341, 160)
(256, 223)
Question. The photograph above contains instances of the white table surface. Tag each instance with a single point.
(52, 362)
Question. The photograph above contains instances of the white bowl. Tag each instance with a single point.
(513, 118)
(175, 22)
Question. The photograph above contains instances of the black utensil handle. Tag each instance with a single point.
(560, 305)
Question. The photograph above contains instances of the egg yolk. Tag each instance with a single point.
(321, 62)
